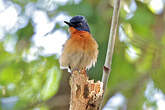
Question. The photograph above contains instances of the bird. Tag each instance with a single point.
(80, 51)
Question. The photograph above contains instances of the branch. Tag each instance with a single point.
(111, 43)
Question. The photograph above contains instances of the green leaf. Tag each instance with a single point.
(24, 37)
(23, 2)
(83, 8)
(10, 74)
(142, 21)
(26, 32)
(52, 83)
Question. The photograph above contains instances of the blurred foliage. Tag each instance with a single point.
(23, 40)
(139, 55)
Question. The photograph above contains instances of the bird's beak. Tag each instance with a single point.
(68, 23)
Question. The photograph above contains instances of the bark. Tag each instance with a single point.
(85, 93)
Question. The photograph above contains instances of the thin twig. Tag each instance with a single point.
(111, 43)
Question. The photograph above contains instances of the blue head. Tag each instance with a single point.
(78, 22)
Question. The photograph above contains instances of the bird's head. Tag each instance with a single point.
(79, 23)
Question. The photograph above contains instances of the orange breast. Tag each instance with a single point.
(80, 51)
(81, 39)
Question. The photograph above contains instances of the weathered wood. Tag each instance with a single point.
(85, 94)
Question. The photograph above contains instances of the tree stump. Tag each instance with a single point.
(85, 94)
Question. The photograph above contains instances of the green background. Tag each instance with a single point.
(138, 60)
